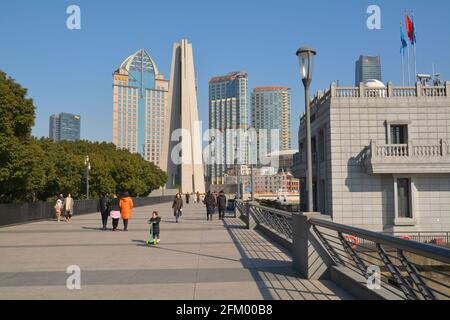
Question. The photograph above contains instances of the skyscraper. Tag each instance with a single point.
(271, 110)
(140, 108)
(185, 169)
(228, 109)
(367, 67)
(65, 126)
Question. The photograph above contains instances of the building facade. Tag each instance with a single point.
(185, 170)
(140, 100)
(271, 113)
(266, 180)
(367, 68)
(65, 126)
(381, 157)
(228, 112)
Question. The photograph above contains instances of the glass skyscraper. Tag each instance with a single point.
(140, 99)
(367, 68)
(228, 109)
(271, 110)
(65, 126)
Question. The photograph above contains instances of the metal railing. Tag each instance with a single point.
(411, 267)
(411, 270)
(278, 221)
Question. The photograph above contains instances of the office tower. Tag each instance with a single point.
(140, 108)
(185, 169)
(228, 109)
(367, 68)
(271, 111)
(65, 126)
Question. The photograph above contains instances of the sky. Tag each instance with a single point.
(71, 70)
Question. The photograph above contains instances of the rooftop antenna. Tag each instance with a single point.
(436, 76)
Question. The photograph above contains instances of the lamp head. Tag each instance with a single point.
(306, 56)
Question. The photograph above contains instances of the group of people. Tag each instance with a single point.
(212, 200)
(64, 207)
(115, 208)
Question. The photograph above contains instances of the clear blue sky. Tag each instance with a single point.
(71, 70)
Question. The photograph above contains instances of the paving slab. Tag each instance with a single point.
(196, 259)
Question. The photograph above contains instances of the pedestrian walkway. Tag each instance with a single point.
(195, 260)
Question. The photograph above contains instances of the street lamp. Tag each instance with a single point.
(306, 60)
(87, 163)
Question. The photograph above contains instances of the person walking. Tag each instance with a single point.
(222, 204)
(177, 207)
(198, 197)
(58, 208)
(114, 211)
(209, 203)
(188, 196)
(103, 208)
(68, 207)
(126, 208)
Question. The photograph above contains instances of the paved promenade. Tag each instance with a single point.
(195, 260)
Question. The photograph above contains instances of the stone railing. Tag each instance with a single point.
(390, 150)
(346, 92)
(389, 91)
(410, 150)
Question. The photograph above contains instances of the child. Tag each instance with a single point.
(58, 209)
(154, 228)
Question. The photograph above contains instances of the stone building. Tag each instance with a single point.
(381, 156)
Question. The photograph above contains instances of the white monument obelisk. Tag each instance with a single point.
(185, 162)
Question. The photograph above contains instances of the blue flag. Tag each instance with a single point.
(414, 39)
(403, 40)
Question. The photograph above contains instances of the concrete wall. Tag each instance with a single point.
(11, 214)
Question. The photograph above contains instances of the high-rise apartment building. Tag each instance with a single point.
(367, 68)
(140, 108)
(65, 126)
(228, 110)
(271, 111)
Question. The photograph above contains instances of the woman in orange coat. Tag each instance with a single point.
(126, 208)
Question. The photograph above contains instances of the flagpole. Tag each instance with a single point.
(415, 59)
(409, 59)
(409, 67)
(402, 54)
(403, 67)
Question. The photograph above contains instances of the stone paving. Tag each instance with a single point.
(196, 259)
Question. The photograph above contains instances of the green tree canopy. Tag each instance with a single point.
(32, 169)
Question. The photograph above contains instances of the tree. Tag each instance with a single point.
(32, 169)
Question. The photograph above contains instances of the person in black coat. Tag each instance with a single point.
(209, 202)
(103, 208)
(155, 220)
(222, 204)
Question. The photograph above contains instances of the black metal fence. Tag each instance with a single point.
(11, 214)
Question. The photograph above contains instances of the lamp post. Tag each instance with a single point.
(87, 163)
(306, 59)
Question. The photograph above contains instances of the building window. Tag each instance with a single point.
(399, 134)
(404, 198)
